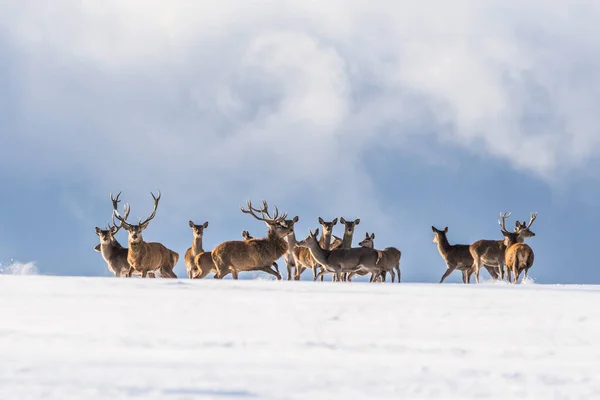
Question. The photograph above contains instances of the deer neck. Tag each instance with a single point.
(280, 246)
(107, 250)
(325, 240)
(319, 254)
(443, 245)
(291, 241)
(197, 246)
(346, 241)
(136, 247)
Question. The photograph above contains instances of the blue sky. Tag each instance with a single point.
(405, 115)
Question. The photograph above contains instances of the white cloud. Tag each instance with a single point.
(243, 97)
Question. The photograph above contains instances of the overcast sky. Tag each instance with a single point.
(404, 114)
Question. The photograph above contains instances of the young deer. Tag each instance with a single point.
(519, 256)
(253, 254)
(340, 261)
(388, 258)
(146, 256)
(302, 257)
(491, 252)
(349, 227)
(192, 252)
(457, 256)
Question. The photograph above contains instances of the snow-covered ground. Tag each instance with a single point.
(107, 338)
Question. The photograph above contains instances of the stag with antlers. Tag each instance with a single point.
(146, 256)
(492, 252)
(112, 252)
(255, 254)
(519, 256)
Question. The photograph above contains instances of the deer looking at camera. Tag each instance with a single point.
(491, 252)
(340, 261)
(146, 256)
(112, 252)
(288, 257)
(192, 252)
(349, 227)
(519, 256)
(302, 256)
(253, 254)
(457, 256)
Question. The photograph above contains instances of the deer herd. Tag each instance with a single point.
(322, 253)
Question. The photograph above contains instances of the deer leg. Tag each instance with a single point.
(234, 273)
(449, 270)
(525, 276)
(130, 272)
(144, 273)
(392, 273)
(289, 272)
(268, 270)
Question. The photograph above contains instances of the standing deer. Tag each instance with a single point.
(253, 254)
(302, 256)
(336, 242)
(348, 234)
(288, 257)
(519, 256)
(340, 261)
(457, 256)
(388, 258)
(491, 252)
(146, 256)
(192, 252)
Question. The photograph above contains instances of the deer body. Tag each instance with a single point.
(519, 256)
(253, 254)
(114, 254)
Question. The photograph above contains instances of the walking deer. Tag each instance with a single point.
(340, 261)
(192, 252)
(253, 254)
(457, 256)
(302, 256)
(492, 252)
(519, 256)
(146, 256)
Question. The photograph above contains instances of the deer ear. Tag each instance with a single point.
(372, 236)
(433, 228)
(357, 221)
(191, 224)
(97, 248)
(295, 219)
(367, 235)
(98, 231)
(316, 232)
(205, 225)
(446, 230)
(321, 221)
(334, 222)
(342, 220)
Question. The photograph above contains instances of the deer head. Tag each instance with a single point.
(438, 234)
(327, 226)
(310, 241)
(275, 223)
(523, 228)
(135, 231)
(368, 240)
(246, 235)
(289, 223)
(349, 225)
(108, 235)
(198, 230)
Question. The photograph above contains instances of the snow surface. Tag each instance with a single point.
(107, 338)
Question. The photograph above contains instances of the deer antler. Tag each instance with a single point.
(276, 218)
(115, 203)
(502, 220)
(532, 218)
(156, 200)
(114, 229)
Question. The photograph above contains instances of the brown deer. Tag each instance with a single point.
(253, 254)
(304, 260)
(288, 257)
(457, 256)
(349, 227)
(192, 252)
(247, 236)
(519, 256)
(340, 261)
(388, 258)
(491, 252)
(146, 256)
